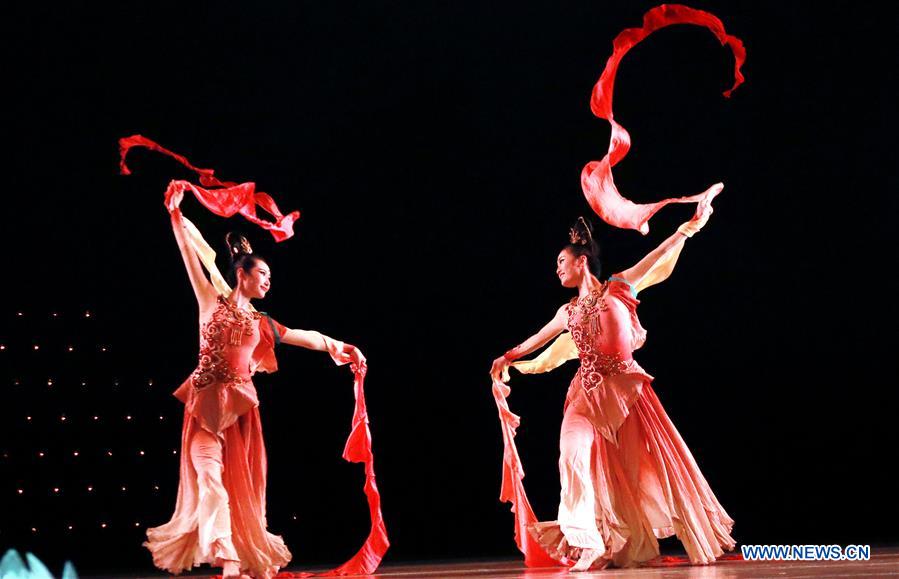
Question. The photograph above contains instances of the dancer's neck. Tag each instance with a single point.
(240, 300)
(587, 285)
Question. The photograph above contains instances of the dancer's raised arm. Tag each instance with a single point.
(203, 289)
(636, 274)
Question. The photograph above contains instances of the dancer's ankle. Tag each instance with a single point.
(586, 560)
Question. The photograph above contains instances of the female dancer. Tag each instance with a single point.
(627, 476)
(219, 517)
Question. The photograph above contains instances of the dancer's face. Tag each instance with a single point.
(256, 282)
(569, 268)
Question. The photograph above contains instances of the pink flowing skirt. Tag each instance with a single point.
(646, 486)
(220, 512)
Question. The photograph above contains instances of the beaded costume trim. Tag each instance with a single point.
(227, 327)
(585, 327)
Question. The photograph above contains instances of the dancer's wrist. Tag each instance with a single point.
(512, 355)
(690, 227)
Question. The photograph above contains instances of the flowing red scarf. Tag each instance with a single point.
(226, 200)
(596, 177)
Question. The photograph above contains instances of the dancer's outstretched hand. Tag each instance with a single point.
(704, 207)
(703, 211)
(357, 360)
(500, 369)
(174, 195)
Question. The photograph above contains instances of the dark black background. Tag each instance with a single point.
(434, 149)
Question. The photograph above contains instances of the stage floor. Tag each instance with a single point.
(884, 563)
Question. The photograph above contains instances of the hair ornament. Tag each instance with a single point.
(238, 245)
(580, 233)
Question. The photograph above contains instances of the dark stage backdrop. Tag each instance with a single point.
(434, 150)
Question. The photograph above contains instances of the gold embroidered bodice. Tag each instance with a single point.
(585, 324)
(227, 340)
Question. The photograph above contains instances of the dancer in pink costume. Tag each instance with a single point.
(219, 517)
(627, 476)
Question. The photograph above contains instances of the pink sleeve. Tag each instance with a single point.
(270, 331)
(627, 294)
(278, 329)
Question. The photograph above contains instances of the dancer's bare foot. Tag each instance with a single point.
(586, 560)
(231, 570)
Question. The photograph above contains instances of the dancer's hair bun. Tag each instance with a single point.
(237, 245)
(581, 233)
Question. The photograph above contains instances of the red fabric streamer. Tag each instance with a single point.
(596, 177)
(358, 449)
(226, 200)
(512, 490)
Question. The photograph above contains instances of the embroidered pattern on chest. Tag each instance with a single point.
(227, 327)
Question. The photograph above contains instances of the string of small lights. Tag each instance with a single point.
(89, 437)
(83, 440)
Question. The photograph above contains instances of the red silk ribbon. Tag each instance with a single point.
(596, 177)
(226, 200)
(512, 490)
(358, 449)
